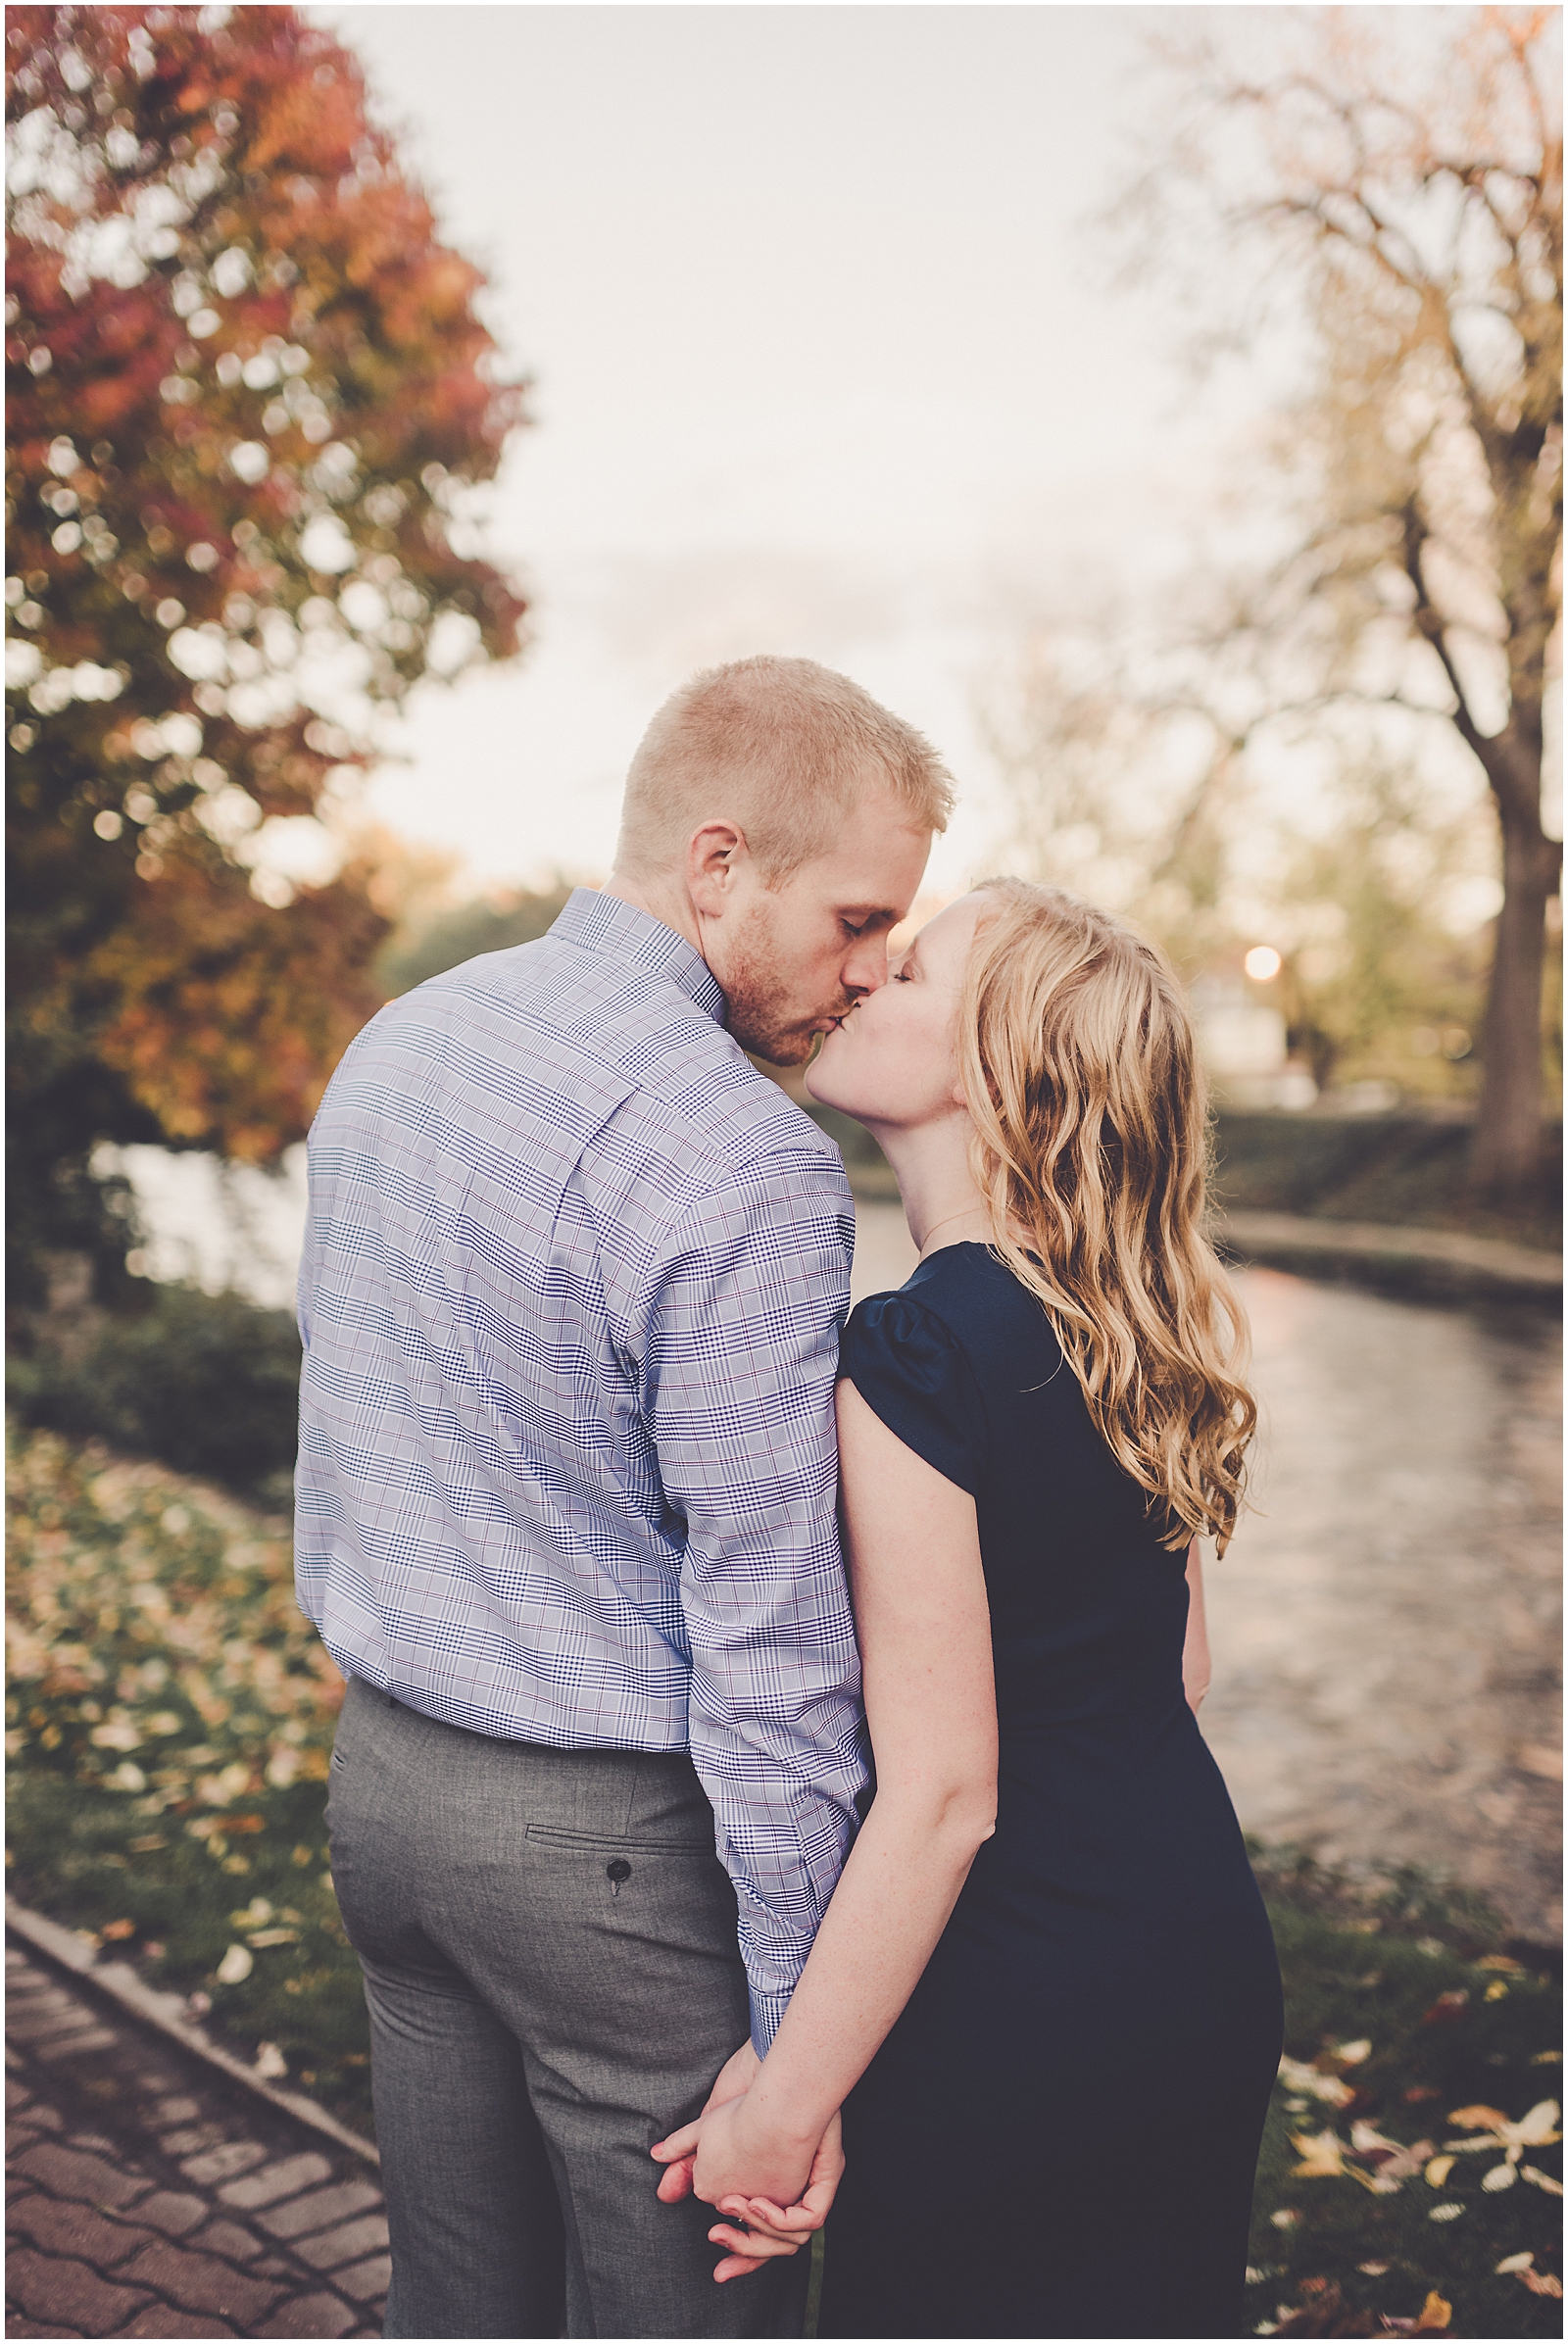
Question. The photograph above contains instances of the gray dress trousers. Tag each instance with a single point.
(548, 1942)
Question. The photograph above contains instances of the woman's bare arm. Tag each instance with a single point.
(1195, 1652)
(925, 1628)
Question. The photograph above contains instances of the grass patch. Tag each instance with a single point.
(1411, 2026)
(171, 1718)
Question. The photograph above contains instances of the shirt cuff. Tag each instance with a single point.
(767, 2010)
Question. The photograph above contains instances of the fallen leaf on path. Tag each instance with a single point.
(1446, 2008)
(1324, 2313)
(1536, 2129)
(1322, 2154)
(1405, 2164)
(1302, 2076)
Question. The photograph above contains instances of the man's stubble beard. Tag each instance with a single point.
(757, 997)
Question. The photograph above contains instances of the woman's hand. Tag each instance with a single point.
(717, 2144)
(739, 2154)
(768, 2230)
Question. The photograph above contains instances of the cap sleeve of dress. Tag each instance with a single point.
(911, 1371)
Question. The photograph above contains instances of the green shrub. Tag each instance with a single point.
(443, 939)
(206, 1383)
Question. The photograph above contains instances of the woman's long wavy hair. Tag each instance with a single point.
(1077, 1060)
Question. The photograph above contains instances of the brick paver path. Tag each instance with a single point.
(145, 2197)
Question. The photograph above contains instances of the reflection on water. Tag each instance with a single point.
(221, 1224)
(1385, 1629)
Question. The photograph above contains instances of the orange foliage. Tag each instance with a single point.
(245, 380)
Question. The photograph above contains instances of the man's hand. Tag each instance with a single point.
(735, 2077)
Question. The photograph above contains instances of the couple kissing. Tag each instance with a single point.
(768, 1791)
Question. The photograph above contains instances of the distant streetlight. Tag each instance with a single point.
(1262, 964)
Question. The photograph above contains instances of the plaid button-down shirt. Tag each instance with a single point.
(573, 1279)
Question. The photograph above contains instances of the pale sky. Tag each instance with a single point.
(828, 359)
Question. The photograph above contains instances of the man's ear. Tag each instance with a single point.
(713, 858)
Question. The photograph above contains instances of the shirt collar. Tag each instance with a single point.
(601, 923)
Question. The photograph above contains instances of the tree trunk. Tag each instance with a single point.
(1507, 1153)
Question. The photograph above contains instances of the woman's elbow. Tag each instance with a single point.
(970, 1816)
(946, 1811)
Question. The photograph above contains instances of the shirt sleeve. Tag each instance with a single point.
(740, 1337)
(910, 1370)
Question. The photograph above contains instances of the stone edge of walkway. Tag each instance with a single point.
(1478, 1266)
(118, 1984)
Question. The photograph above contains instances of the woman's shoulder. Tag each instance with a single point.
(962, 1315)
(912, 1367)
(907, 1322)
(977, 1301)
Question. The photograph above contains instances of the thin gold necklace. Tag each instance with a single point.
(946, 1222)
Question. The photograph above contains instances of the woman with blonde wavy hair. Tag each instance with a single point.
(1044, 1993)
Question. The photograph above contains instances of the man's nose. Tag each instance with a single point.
(865, 969)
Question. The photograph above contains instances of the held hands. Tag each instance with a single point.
(724, 2158)
(735, 2077)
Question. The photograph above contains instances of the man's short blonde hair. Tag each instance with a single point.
(783, 749)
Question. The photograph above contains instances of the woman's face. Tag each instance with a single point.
(890, 1061)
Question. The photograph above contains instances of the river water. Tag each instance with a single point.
(1385, 1627)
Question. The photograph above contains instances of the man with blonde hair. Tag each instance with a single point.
(572, 1286)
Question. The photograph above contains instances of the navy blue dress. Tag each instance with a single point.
(1060, 2135)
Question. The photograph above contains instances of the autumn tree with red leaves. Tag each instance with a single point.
(247, 396)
